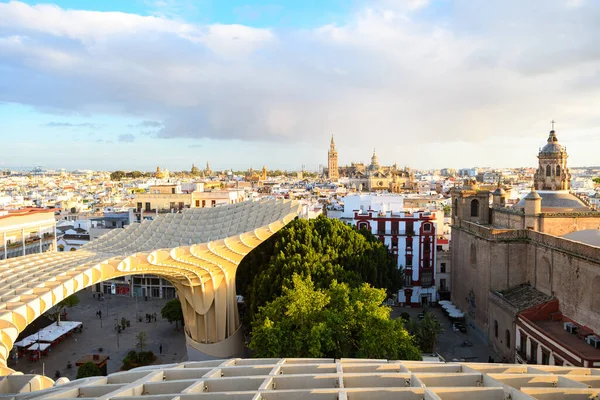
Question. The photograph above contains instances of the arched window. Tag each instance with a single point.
(558, 170)
(363, 225)
(427, 227)
(548, 170)
(495, 328)
(508, 338)
(473, 256)
(475, 208)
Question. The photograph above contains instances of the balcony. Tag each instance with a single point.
(394, 232)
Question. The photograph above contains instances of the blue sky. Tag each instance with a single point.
(429, 83)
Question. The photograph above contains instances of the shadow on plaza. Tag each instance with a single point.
(101, 333)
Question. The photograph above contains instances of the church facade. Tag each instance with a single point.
(514, 261)
(372, 177)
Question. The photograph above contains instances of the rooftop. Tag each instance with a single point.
(558, 201)
(556, 330)
(523, 297)
(320, 379)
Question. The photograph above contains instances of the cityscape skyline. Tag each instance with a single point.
(245, 83)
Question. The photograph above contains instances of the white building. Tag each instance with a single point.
(411, 237)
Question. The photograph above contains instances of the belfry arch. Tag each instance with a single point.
(197, 250)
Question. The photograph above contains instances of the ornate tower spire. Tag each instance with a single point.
(332, 162)
(552, 173)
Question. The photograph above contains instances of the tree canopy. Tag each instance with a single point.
(323, 249)
(335, 322)
(172, 312)
(87, 370)
(425, 332)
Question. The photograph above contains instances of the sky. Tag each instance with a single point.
(112, 84)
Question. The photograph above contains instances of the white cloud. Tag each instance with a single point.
(387, 78)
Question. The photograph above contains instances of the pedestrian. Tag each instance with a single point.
(160, 349)
(100, 313)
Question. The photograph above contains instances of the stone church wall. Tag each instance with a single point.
(566, 269)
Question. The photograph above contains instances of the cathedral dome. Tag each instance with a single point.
(552, 147)
(556, 201)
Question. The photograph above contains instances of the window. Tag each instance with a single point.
(394, 227)
(438, 247)
(213, 203)
(523, 348)
(427, 227)
(409, 260)
(381, 227)
(203, 203)
(558, 170)
(475, 208)
(394, 242)
(197, 203)
(139, 206)
(455, 207)
(496, 329)
(363, 225)
(548, 170)
(410, 228)
(507, 334)
(443, 268)
(148, 207)
(172, 190)
(427, 278)
(558, 361)
(408, 279)
(545, 357)
(443, 285)
(534, 351)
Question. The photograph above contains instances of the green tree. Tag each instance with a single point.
(117, 175)
(596, 180)
(67, 302)
(335, 322)
(425, 332)
(87, 370)
(172, 312)
(323, 249)
(142, 340)
(447, 210)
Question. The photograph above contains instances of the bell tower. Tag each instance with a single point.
(552, 172)
(332, 164)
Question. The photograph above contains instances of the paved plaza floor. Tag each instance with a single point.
(94, 335)
(449, 343)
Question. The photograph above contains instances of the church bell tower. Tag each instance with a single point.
(552, 172)
(332, 156)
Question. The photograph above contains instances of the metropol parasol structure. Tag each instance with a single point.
(199, 251)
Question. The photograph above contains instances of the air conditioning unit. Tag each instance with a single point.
(593, 341)
(571, 328)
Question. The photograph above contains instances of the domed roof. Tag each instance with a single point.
(552, 147)
(587, 236)
(556, 201)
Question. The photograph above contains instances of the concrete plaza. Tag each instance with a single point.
(97, 333)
